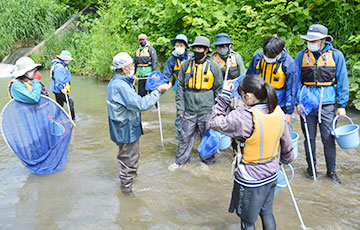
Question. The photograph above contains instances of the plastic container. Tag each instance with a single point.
(346, 136)
(224, 142)
(281, 182)
(295, 140)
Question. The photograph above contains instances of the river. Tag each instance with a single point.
(86, 194)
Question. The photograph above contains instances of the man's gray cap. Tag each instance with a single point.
(201, 41)
(317, 32)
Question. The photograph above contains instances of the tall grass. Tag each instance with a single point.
(28, 21)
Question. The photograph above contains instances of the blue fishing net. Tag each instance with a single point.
(308, 101)
(236, 84)
(154, 80)
(39, 134)
(209, 144)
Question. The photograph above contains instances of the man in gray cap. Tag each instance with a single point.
(230, 62)
(321, 67)
(145, 61)
(124, 106)
(199, 83)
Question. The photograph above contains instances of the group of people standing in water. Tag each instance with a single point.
(270, 90)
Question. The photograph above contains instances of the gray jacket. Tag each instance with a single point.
(197, 102)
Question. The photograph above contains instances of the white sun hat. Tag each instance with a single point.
(23, 65)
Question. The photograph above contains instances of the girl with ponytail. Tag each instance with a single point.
(260, 129)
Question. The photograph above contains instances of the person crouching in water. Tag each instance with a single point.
(26, 86)
(259, 129)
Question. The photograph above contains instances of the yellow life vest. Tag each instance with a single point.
(27, 82)
(199, 76)
(67, 85)
(142, 57)
(177, 66)
(234, 69)
(318, 73)
(271, 73)
(263, 144)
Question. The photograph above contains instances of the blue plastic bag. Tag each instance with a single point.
(209, 144)
(154, 80)
(308, 101)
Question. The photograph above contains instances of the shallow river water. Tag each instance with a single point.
(86, 194)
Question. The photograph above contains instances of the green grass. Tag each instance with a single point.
(25, 22)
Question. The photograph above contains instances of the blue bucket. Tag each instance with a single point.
(224, 142)
(295, 139)
(346, 136)
(281, 182)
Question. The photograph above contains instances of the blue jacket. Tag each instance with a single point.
(124, 106)
(287, 95)
(170, 64)
(61, 76)
(21, 93)
(332, 94)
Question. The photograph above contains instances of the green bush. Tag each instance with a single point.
(248, 22)
(28, 21)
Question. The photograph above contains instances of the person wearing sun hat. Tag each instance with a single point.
(26, 86)
(227, 58)
(60, 79)
(322, 72)
(179, 54)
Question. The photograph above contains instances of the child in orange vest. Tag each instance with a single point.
(259, 129)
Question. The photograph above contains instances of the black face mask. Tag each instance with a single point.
(143, 43)
(199, 55)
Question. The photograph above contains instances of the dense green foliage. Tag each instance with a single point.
(28, 21)
(248, 22)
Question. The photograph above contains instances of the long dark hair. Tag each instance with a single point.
(263, 91)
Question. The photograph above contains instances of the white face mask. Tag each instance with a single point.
(30, 74)
(313, 47)
(270, 60)
(132, 72)
(179, 50)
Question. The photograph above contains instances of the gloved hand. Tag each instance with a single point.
(37, 75)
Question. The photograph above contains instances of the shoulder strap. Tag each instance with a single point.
(207, 67)
(306, 54)
(192, 66)
(277, 68)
